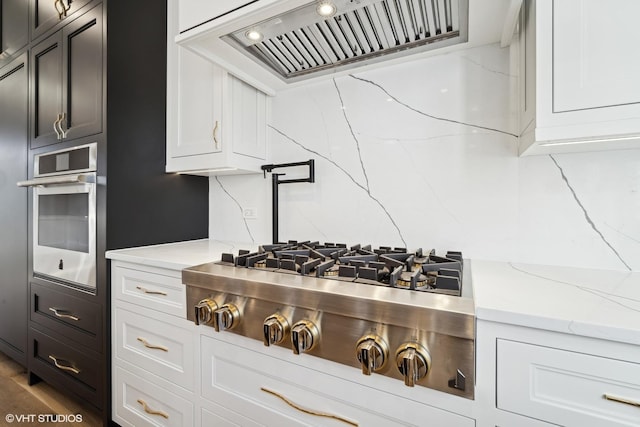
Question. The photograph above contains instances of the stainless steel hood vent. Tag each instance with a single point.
(302, 44)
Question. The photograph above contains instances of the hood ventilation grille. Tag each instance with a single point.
(301, 42)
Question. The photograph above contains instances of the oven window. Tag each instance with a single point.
(63, 221)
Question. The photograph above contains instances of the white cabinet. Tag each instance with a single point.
(579, 84)
(196, 12)
(216, 123)
(154, 348)
(531, 377)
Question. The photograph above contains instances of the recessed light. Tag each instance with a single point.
(326, 9)
(253, 35)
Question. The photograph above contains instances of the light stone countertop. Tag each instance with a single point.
(601, 304)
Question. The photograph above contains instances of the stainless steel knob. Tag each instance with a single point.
(275, 329)
(226, 317)
(304, 336)
(372, 353)
(413, 361)
(204, 311)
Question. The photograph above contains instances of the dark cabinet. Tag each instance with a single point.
(47, 13)
(67, 82)
(13, 208)
(14, 29)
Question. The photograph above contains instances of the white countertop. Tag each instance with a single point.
(177, 256)
(594, 303)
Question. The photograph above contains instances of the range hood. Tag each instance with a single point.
(276, 44)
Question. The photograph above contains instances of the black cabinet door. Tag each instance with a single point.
(48, 13)
(82, 74)
(46, 91)
(67, 82)
(14, 28)
(13, 208)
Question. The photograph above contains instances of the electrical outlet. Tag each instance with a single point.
(250, 213)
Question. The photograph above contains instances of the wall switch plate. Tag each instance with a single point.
(250, 213)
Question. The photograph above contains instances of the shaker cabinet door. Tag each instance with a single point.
(46, 91)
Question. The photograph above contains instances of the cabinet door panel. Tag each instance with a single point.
(594, 67)
(13, 214)
(46, 92)
(14, 27)
(82, 75)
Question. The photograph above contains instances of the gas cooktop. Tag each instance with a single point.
(417, 270)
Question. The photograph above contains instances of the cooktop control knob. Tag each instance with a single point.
(372, 353)
(413, 361)
(304, 336)
(276, 328)
(204, 311)
(226, 317)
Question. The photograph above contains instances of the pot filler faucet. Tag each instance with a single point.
(276, 181)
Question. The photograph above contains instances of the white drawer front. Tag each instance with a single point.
(242, 380)
(139, 403)
(158, 346)
(160, 292)
(566, 388)
(209, 419)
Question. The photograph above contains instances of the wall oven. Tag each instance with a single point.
(64, 216)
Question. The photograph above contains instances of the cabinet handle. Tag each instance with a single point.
(64, 368)
(60, 12)
(63, 313)
(55, 127)
(152, 411)
(155, 347)
(215, 135)
(63, 133)
(621, 400)
(309, 411)
(147, 291)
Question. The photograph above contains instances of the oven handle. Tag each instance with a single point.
(82, 178)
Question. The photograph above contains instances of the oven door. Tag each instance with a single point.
(64, 229)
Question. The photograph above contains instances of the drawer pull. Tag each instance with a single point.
(64, 368)
(152, 411)
(309, 411)
(621, 400)
(63, 313)
(147, 291)
(155, 347)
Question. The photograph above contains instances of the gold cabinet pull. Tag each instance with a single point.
(155, 347)
(621, 400)
(60, 11)
(309, 411)
(147, 291)
(63, 367)
(63, 314)
(215, 135)
(152, 411)
(55, 127)
(63, 133)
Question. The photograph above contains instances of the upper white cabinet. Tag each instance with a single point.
(216, 123)
(580, 88)
(195, 12)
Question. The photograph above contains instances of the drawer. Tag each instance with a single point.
(161, 290)
(137, 402)
(566, 388)
(78, 318)
(276, 392)
(71, 368)
(156, 344)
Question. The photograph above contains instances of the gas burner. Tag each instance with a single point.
(384, 266)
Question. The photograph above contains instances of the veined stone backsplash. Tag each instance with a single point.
(424, 154)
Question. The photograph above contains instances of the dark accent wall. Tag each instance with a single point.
(144, 204)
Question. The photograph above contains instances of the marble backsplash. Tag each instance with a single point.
(424, 154)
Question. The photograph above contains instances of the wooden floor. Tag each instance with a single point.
(58, 402)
